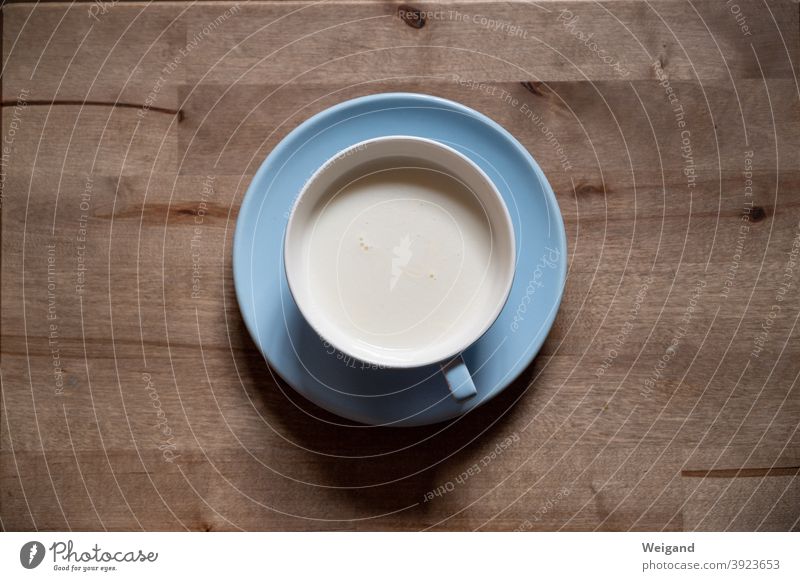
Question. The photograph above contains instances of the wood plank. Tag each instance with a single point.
(597, 127)
(768, 503)
(134, 51)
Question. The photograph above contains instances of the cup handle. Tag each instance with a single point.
(459, 379)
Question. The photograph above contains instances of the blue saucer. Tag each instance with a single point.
(345, 386)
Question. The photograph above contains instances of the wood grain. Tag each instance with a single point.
(713, 445)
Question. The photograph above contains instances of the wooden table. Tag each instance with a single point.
(666, 396)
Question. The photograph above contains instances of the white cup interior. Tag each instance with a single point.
(389, 308)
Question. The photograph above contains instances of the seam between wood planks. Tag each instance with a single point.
(742, 472)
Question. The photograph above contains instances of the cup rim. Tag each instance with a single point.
(505, 216)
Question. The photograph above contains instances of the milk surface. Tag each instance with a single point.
(401, 259)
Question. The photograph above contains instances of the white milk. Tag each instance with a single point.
(401, 259)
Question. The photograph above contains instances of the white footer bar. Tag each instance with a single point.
(400, 556)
